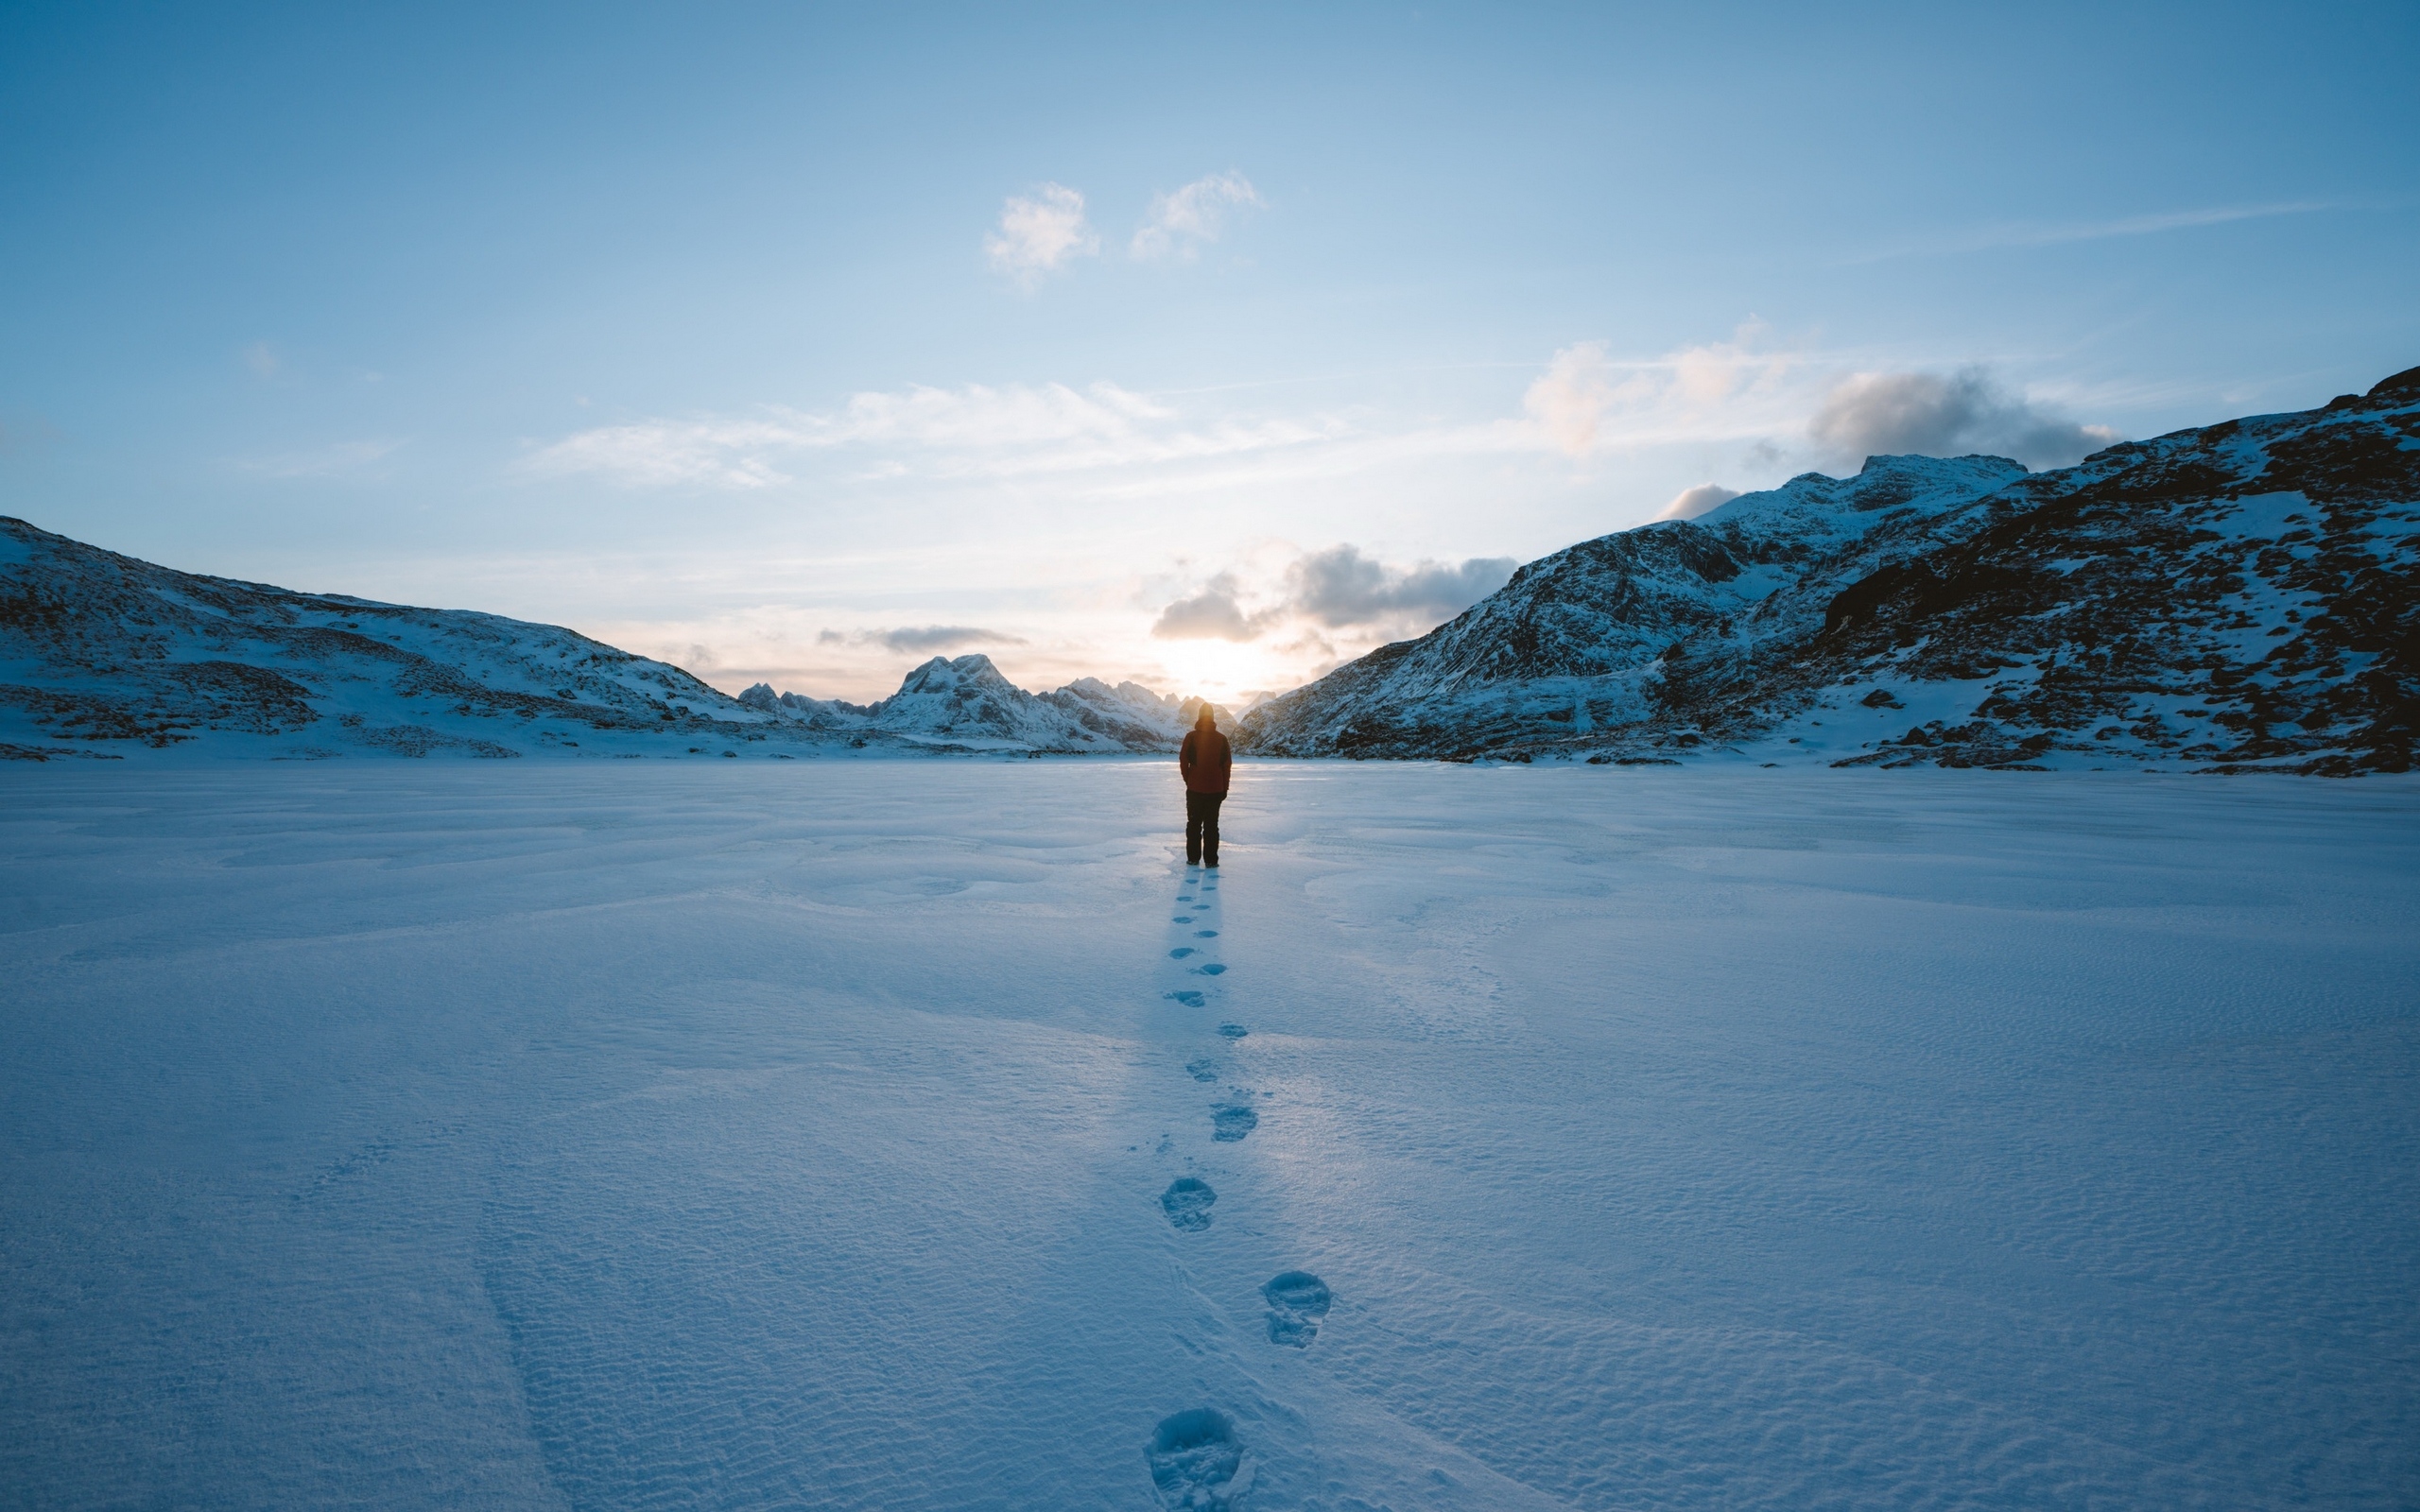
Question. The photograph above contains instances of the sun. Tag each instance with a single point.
(1218, 670)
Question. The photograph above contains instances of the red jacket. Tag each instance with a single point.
(1206, 761)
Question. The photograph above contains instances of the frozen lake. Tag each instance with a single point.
(865, 1135)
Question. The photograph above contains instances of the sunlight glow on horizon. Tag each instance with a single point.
(652, 337)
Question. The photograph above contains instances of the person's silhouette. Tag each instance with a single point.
(1206, 761)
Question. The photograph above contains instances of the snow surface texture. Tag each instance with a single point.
(2239, 597)
(631, 1135)
(123, 658)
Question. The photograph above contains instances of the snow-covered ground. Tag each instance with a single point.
(842, 1135)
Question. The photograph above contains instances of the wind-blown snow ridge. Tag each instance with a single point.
(2238, 597)
(101, 654)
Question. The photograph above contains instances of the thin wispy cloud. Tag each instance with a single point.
(1585, 401)
(977, 430)
(920, 638)
(1040, 235)
(1181, 223)
(2054, 234)
(1106, 441)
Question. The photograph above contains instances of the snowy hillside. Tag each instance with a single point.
(101, 654)
(968, 704)
(2243, 594)
(1575, 642)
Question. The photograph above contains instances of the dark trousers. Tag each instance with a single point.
(1201, 826)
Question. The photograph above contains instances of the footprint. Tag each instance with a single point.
(1191, 1000)
(1197, 1461)
(1203, 1070)
(1183, 919)
(1188, 1203)
(1230, 1121)
(1297, 1302)
(1232, 1031)
(1180, 953)
(1211, 969)
(1200, 934)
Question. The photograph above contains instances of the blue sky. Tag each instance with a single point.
(800, 343)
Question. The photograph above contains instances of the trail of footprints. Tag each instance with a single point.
(1196, 1458)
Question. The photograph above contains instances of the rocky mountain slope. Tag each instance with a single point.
(2237, 597)
(970, 703)
(101, 654)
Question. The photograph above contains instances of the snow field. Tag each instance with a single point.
(924, 1134)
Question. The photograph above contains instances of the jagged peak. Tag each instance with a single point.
(1886, 481)
(1891, 464)
(2401, 385)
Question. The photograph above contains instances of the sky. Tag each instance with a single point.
(1205, 347)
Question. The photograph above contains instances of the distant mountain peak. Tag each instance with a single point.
(100, 654)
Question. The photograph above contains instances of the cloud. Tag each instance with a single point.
(1339, 587)
(1039, 236)
(1180, 223)
(1572, 395)
(1690, 503)
(2036, 233)
(259, 358)
(1585, 401)
(1931, 414)
(919, 637)
(998, 432)
(1212, 614)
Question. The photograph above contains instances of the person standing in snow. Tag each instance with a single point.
(1205, 760)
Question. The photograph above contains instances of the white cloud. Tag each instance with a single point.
(263, 361)
(1039, 236)
(658, 453)
(1572, 396)
(1690, 503)
(981, 430)
(1886, 413)
(1758, 404)
(1587, 402)
(1180, 223)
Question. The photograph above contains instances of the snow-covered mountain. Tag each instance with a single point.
(968, 703)
(2245, 595)
(101, 654)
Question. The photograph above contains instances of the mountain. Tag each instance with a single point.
(102, 654)
(2239, 597)
(969, 704)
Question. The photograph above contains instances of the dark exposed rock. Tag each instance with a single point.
(2242, 595)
